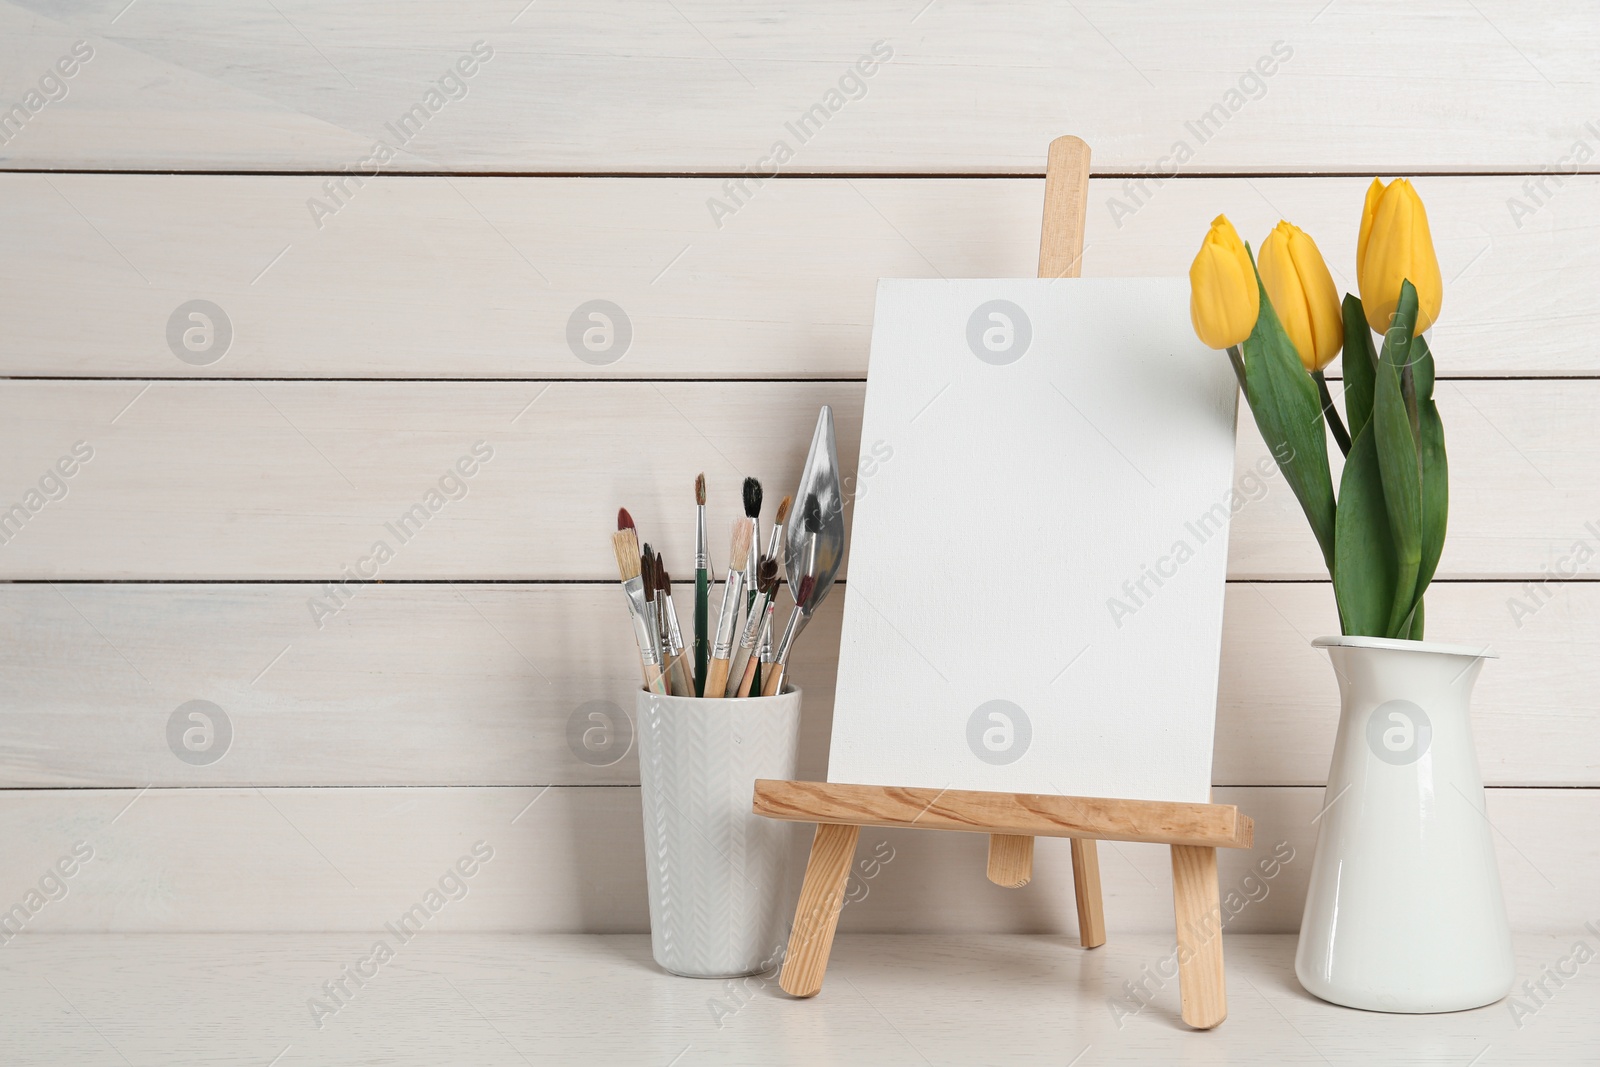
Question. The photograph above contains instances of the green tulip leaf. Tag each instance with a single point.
(1364, 559)
(1435, 475)
(1422, 367)
(1288, 412)
(1357, 366)
(1399, 461)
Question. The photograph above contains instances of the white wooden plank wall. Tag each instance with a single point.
(377, 330)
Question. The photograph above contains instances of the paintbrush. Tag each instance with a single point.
(652, 579)
(702, 587)
(625, 542)
(654, 679)
(728, 617)
(766, 653)
(802, 564)
(752, 511)
(750, 632)
(758, 627)
(677, 670)
(778, 665)
(775, 541)
(764, 643)
(811, 520)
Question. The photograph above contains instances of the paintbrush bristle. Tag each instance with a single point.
(783, 509)
(624, 520)
(812, 515)
(741, 543)
(663, 579)
(700, 489)
(767, 576)
(626, 545)
(803, 594)
(647, 567)
(752, 498)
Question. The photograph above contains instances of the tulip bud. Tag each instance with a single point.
(1394, 246)
(1223, 298)
(1303, 294)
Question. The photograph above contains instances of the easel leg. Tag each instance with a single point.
(817, 915)
(1010, 860)
(1086, 884)
(1199, 916)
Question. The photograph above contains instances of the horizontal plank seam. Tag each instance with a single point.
(450, 381)
(596, 785)
(1540, 378)
(1582, 579)
(810, 175)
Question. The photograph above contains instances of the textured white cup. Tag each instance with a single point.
(716, 871)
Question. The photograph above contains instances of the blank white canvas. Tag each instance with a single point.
(1048, 531)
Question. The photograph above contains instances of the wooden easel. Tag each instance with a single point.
(1013, 820)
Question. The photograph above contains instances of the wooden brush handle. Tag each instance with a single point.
(738, 666)
(716, 680)
(749, 677)
(773, 682)
(678, 677)
(654, 680)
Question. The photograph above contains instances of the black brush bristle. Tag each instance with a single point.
(812, 516)
(752, 498)
(647, 571)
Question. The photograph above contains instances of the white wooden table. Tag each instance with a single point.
(489, 999)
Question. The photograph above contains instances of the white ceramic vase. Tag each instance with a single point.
(716, 871)
(1404, 912)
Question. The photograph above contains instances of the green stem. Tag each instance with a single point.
(1408, 393)
(1341, 436)
(1237, 359)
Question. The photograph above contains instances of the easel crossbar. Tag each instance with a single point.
(1032, 814)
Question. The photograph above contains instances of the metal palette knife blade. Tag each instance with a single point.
(819, 478)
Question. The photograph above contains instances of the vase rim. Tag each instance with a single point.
(1398, 645)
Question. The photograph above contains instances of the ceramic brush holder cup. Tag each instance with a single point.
(716, 871)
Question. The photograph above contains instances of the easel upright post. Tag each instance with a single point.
(1061, 236)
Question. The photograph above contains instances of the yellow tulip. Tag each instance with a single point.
(1223, 298)
(1394, 246)
(1303, 294)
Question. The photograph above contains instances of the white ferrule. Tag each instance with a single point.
(764, 651)
(633, 589)
(674, 634)
(702, 554)
(728, 616)
(650, 651)
(797, 622)
(753, 558)
(757, 619)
